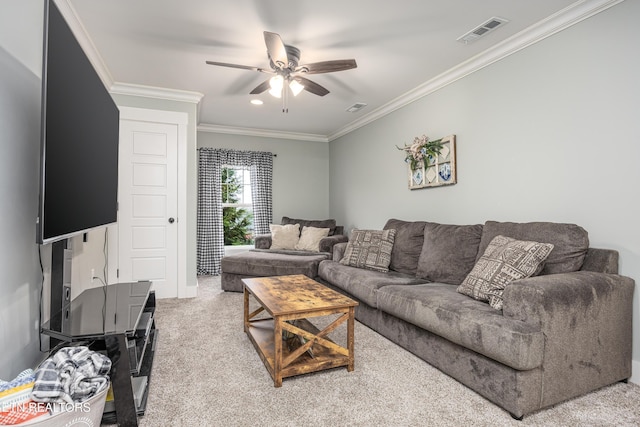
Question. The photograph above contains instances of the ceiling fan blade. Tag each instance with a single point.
(312, 87)
(260, 88)
(327, 66)
(276, 50)
(242, 67)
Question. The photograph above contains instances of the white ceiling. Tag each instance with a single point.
(404, 48)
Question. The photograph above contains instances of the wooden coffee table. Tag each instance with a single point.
(291, 300)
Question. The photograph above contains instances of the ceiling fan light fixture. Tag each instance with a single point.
(284, 62)
(275, 93)
(276, 83)
(296, 87)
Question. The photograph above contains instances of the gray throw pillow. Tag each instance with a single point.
(449, 252)
(407, 245)
(570, 241)
(370, 249)
(504, 261)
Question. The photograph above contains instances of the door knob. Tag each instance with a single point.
(171, 220)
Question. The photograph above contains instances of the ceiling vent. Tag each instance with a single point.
(482, 30)
(356, 107)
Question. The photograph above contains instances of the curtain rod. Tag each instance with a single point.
(211, 148)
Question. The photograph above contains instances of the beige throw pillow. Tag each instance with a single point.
(284, 236)
(310, 238)
(504, 261)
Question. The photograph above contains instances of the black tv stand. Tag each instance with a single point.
(60, 300)
(119, 321)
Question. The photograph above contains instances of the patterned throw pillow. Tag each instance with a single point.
(504, 261)
(284, 236)
(310, 238)
(369, 249)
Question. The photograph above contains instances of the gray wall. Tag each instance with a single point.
(550, 133)
(20, 81)
(300, 181)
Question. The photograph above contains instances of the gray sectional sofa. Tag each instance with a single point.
(264, 261)
(560, 334)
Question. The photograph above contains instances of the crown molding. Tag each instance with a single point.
(559, 21)
(204, 127)
(571, 15)
(81, 34)
(69, 13)
(156, 92)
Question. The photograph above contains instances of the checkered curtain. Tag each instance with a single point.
(210, 229)
(261, 179)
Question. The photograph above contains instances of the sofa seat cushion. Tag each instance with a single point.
(361, 283)
(438, 308)
(262, 263)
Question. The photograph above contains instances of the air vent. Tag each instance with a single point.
(356, 107)
(482, 30)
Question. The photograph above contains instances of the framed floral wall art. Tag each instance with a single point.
(431, 163)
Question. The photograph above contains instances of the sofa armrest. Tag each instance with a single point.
(327, 243)
(262, 241)
(539, 299)
(338, 251)
(586, 320)
(601, 260)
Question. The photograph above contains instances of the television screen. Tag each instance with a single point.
(80, 128)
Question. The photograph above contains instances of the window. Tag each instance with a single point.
(237, 206)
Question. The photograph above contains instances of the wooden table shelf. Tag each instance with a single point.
(291, 300)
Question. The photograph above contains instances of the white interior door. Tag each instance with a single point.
(148, 205)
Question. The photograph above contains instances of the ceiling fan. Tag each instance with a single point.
(286, 71)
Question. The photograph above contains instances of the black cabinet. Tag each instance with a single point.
(119, 321)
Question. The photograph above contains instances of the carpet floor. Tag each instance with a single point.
(207, 373)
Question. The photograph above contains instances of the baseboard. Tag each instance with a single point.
(635, 372)
(190, 291)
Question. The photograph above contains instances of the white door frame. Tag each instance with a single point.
(181, 120)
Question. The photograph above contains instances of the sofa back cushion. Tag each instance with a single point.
(318, 223)
(570, 242)
(407, 245)
(449, 252)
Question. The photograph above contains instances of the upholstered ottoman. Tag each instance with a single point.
(264, 263)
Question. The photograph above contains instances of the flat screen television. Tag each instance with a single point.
(79, 139)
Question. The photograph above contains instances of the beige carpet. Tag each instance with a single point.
(207, 373)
